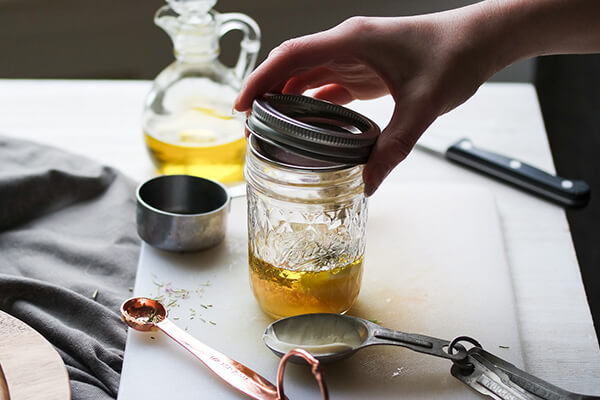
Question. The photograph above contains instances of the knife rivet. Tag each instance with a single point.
(466, 145)
(567, 184)
(515, 164)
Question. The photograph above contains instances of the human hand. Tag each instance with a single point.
(424, 62)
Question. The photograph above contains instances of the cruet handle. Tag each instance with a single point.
(249, 45)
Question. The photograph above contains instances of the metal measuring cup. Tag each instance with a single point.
(182, 212)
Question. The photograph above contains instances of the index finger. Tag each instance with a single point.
(288, 59)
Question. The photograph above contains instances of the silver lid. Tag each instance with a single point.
(313, 128)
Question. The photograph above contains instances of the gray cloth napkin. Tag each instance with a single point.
(68, 256)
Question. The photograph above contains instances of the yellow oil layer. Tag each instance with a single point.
(282, 293)
(224, 162)
(199, 142)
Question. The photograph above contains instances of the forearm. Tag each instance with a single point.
(519, 29)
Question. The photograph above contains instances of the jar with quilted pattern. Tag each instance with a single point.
(307, 220)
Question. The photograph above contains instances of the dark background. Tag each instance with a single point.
(117, 39)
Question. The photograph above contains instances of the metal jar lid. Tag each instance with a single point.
(313, 128)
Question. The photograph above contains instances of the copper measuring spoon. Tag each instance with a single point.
(144, 314)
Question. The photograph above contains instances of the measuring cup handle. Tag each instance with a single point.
(237, 375)
(237, 191)
(250, 44)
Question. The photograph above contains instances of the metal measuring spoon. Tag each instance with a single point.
(333, 337)
(144, 314)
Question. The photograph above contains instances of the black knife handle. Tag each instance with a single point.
(564, 192)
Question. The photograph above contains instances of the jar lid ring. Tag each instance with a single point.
(328, 131)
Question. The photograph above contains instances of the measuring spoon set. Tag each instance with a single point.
(317, 339)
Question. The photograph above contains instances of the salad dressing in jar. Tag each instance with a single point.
(307, 211)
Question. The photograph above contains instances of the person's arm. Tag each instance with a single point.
(430, 63)
(532, 28)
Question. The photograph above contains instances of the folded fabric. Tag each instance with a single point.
(69, 252)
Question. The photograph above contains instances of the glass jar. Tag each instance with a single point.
(306, 228)
(189, 127)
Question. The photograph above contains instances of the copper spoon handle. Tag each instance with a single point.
(237, 375)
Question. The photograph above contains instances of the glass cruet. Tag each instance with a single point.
(188, 120)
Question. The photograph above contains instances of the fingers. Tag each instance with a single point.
(335, 94)
(394, 144)
(290, 58)
(309, 80)
(327, 81)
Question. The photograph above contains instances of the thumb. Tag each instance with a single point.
(393, 146)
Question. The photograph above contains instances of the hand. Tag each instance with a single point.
(421, 61)
(430, 64)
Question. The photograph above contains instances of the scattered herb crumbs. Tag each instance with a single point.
(212, 322)
(170, 296)
(172, 303)
(95, 294)
(151, 317)
(152, 337)
(131, 289)
(504, 347)
(375, 321)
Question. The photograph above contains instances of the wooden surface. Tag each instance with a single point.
(31, 367)
(102, 120)
(434, 265)
(3, 386)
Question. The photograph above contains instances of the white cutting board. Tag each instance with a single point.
(435, 264)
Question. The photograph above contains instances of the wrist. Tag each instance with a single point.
(492, 33)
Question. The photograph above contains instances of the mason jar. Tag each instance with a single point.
(307, 212)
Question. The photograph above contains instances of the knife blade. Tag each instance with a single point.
(564, 192)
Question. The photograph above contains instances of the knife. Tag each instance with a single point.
(564, 192)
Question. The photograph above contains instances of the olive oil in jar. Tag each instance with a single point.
(200, 142)
(283, 292)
